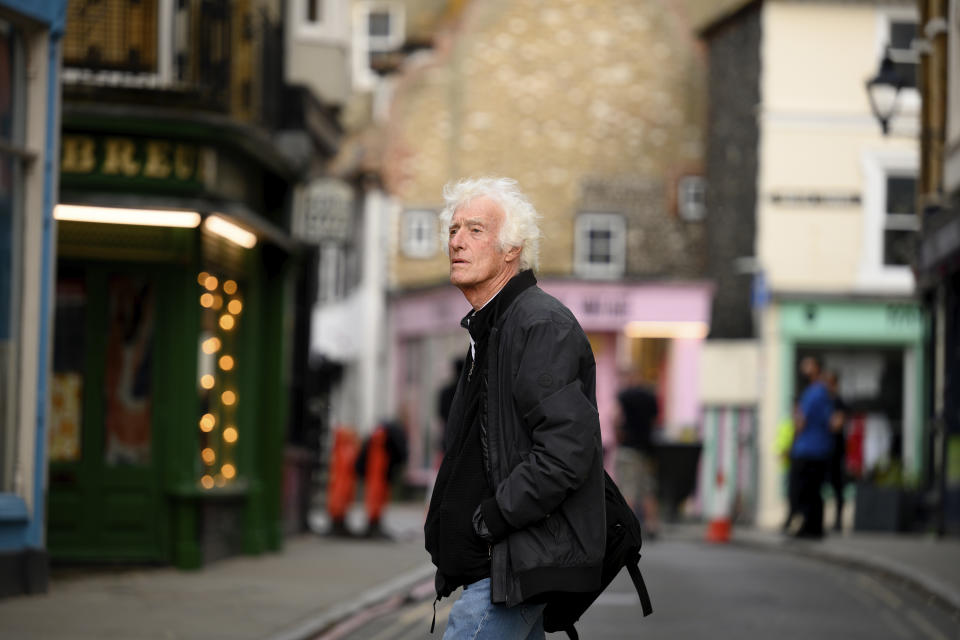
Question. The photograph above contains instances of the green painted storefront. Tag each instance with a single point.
(899, 325)
(170, 350)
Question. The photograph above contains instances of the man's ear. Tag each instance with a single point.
(513, 253)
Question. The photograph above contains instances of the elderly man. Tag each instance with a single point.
(517, 510)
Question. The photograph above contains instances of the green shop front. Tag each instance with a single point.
(168, 393)
(877, 350)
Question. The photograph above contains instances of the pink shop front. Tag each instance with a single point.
(656, 328)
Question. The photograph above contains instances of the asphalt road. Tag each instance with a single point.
(718, 592)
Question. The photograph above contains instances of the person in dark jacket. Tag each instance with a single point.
(517, 511)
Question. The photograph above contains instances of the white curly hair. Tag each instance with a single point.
(520, 228)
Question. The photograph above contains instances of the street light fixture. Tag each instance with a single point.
(883, 91)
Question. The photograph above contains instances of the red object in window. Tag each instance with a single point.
(854, 450)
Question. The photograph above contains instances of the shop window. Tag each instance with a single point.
(221, 299)
(420, 234)
(600, 245)
(64, 433)
(13, 154)
(128, 374)
(377, 28)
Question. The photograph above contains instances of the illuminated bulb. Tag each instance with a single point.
(210, 283)
(208, 455)
(207, 422)
(202, 278)
(207, 482)
(211, 345)
(230, 435)
(207, 381)
(235, 307)
(229, 287)
(228, 471)
(228, 398)
(217, 302)
(206, 300)
(226, 322)
(226, 363)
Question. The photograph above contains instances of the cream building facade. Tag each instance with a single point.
(835, 225)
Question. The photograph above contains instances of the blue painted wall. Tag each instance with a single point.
(20, 529)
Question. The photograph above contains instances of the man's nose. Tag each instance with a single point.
(456, 239)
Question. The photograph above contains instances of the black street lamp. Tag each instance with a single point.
(883, 90)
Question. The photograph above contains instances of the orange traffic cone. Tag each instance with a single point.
(718, 529)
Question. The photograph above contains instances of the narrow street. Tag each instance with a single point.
(712, 592)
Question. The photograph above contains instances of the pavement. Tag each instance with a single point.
(925, 562)
(295, 594)
(318, 582)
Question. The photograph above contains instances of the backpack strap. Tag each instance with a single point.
(572, 633)
(641, 586)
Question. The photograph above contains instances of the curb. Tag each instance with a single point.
(317, 624)
(947, 596)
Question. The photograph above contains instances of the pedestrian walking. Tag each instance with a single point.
(517, 511)
(786, 431)
(634, 460)
(812, 446)
(837, 471)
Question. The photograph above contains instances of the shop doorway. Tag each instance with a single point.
(104, 485)
(877, 384)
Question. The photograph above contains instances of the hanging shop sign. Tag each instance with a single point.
(325, 213)
(88, 160)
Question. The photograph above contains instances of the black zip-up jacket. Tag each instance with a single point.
(547, 517)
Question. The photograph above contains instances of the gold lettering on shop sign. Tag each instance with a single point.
(157, 164)
(119, 157)
(78, 154)
(185, 162)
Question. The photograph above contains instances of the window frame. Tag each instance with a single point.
(588, 221)
(909, 99)
(689, 209)
(163, 76)
(362, 44)
(332, 28)
(874, 275)
(425, 245)
(16, 151)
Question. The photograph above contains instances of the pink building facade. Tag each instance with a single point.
(623, 320)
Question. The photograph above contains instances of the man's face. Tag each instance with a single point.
(476, 258)
(809, 369)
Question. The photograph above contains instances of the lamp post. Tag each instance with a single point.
(883, 90)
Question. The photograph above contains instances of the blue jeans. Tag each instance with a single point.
(474, 617)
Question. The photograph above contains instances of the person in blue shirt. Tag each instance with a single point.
(812, 447)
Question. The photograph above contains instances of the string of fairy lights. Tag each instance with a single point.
(222, 305)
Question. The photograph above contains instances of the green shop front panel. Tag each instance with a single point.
(109, 395)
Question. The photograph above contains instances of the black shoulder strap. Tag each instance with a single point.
(641, 586)
(572, 633)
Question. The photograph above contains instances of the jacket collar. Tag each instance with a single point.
(478, 323)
